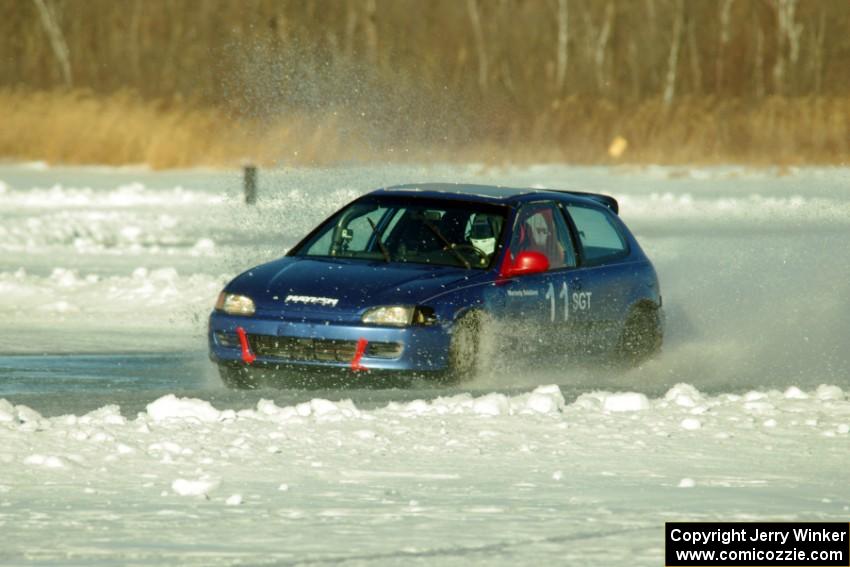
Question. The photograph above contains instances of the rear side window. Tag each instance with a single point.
(540, 227)
(600, 239)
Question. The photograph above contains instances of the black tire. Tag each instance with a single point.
(643, 335)
(465, 348)
(236, 377)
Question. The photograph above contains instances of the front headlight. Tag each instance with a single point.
(394, 315)
(235, 304)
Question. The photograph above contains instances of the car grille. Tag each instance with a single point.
(323, 350)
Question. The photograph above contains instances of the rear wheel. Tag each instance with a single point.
(643, 335)
(465, 348)
(236, 377)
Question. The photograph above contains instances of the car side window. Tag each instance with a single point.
(540, 227)
(354, 234)
(360, 229)
(600, 239)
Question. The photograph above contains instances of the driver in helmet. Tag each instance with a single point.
(483, 233)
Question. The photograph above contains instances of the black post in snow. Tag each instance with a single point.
(250, 178)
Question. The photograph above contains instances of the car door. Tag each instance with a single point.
(537, 305)
(600, 286)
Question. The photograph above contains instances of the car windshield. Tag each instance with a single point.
(445, 233)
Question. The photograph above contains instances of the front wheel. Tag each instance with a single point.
(465, 348)
(236, 377)
(643, 335)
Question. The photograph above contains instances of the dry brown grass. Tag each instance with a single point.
(698, 130)
(80, 128)
(77, 127)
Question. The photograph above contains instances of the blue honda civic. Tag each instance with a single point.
(424, 279)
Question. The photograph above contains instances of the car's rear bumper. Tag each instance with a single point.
(328, 345)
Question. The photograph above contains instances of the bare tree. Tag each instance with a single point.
(725, 36)
(693, 51)
(634, 66)
(817, 60)
(759, 70)
(673, 59)
(57, 39)
(562, 54)
(788, 34)
(649, 49)
(371, 32)
(480, 46)
(601, 48)
(350, 28)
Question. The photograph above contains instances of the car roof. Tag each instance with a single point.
(493, 193)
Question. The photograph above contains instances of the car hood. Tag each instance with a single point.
(302, 285)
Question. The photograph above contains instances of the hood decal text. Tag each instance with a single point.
(311, 300)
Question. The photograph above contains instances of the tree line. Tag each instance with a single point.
(523, 53)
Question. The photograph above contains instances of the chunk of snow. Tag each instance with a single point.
(140, 273)
(759, 407)
(27, 414)
(683, 395)
(131, 233)
(165, 447)
(204, 246)
(47, 461)
(60, 307)
(164, 275)
(827, 392)
(687, 483)
(171, 407)
(63, 277)
(107, 415)
(418, 407)
(234, 500)
(124, 449)
(267, 407)
(626, 401)
(795, 393)
(491, 404)
(546, 399)
(690, 423)
(321, 407)
(200, 487)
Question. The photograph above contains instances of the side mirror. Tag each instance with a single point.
(528, 262)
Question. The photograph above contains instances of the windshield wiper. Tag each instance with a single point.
(381, 245)
(449, 245)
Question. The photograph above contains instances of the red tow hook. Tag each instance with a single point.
(358, 354)
(247, 356)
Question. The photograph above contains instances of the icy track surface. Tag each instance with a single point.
(451, 481)
(118, 445)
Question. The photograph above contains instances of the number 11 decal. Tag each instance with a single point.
(565, 295)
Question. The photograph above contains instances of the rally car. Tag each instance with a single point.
(409, 279)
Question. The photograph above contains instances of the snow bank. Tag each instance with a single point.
(445, 474)
(676, 409)
(128, 195)
(752, 208)
(71, 309)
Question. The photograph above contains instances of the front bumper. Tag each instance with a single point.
(328, 345)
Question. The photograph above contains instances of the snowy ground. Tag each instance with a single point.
(106, 277)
